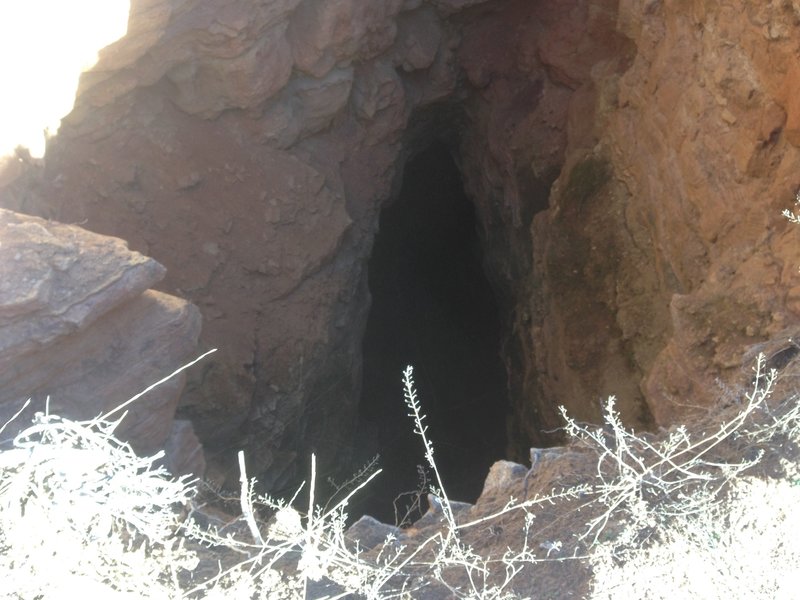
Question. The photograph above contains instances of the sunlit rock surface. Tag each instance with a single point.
(80, 333)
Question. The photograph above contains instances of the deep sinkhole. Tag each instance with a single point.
(433, 308)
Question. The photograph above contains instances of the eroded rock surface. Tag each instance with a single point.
(47, 291)
(79, 326)
(627, 161)
(680, 247)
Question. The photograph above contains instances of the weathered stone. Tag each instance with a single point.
(368, 533)
(208, 87)
(305, 106)
(48, 289)
(503, 475)
(379, 100)
(11, 167)
(80, 334)
(241, 43)
(326, 32)
(90, 374)
(377, 88)
(448, 7)
(183, 452)
(435, 515)
(271, 244)
(717, 186)
(317, 101)
(418, 37)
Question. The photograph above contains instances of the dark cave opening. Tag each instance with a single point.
(433, 308)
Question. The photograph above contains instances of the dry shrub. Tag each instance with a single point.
(687, 521)
(79, 510)
(745, 547)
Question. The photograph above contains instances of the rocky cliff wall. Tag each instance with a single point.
(672, 203)
(80, 334)
(627, 162)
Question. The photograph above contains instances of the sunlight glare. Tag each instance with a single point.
(44, 47)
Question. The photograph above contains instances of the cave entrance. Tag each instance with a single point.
(433, 308)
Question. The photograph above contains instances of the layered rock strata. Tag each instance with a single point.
(81, 333)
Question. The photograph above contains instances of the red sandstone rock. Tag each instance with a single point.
(327, 32)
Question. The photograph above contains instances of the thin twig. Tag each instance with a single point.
(247, 503)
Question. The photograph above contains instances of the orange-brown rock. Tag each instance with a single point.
(702, 140)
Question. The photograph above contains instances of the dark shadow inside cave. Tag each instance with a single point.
(433, 308)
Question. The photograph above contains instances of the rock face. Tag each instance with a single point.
(627, 162)
(679, 247)
(79, 325)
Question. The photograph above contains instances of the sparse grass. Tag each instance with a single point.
(78, 507)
